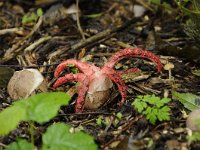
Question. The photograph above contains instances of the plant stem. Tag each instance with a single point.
(31, 131)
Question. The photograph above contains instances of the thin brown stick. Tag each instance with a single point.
(99, 36)
(11, 30)
(128, 126)
(19, 46)
(78, 20)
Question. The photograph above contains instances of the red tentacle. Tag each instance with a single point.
(68, 78)
(115, 77)
(83, 88)
(136, 52)
(86, 68)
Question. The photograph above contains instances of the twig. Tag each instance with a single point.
(11, 30)
(144, 4)
(87, 113)
(78, 21)
(130, 123)
(100, 35)
(42, 40)
(36, 43)
(32, 66)
(3, 145)
(19, 46)
(106, 33)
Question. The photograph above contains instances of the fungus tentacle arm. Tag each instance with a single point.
(135, 52)
(86, 68)
(79, 77)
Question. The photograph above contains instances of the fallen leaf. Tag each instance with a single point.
(196, 72)
(189, 100)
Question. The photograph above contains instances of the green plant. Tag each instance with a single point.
(194, 3)
(119, 115)
(152, 107)
(29, 18)
(191, 25)
(42, 108)
(99, 121)
(194, 137)
(196, 72)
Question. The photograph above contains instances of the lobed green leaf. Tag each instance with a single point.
(151, 117)
(139, 105)
(162, 102)
(163, 115)
(152, 107)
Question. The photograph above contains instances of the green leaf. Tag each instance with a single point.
(94, 15)
(29, 18)
(119, 115)
(190, 101)
(194, 137)
(147, 111)
(10, 118)
(138, 106)
(20, 145)
(40, 108)
(162, 102)
(165, 109)
(152, 107)
(58, 137)
(39, 12)
(152, 99)
(99, 121)
(152, 117)
(44, 106)
(146, 98)
(163, 114)
(196, 72)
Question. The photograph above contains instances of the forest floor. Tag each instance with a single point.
(100, 29)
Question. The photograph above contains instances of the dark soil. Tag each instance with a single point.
(157, 30)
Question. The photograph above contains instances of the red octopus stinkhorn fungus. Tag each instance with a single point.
(94, 80)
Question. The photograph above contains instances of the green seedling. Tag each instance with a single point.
(119, 115)
(152, 107)
(32, 17)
